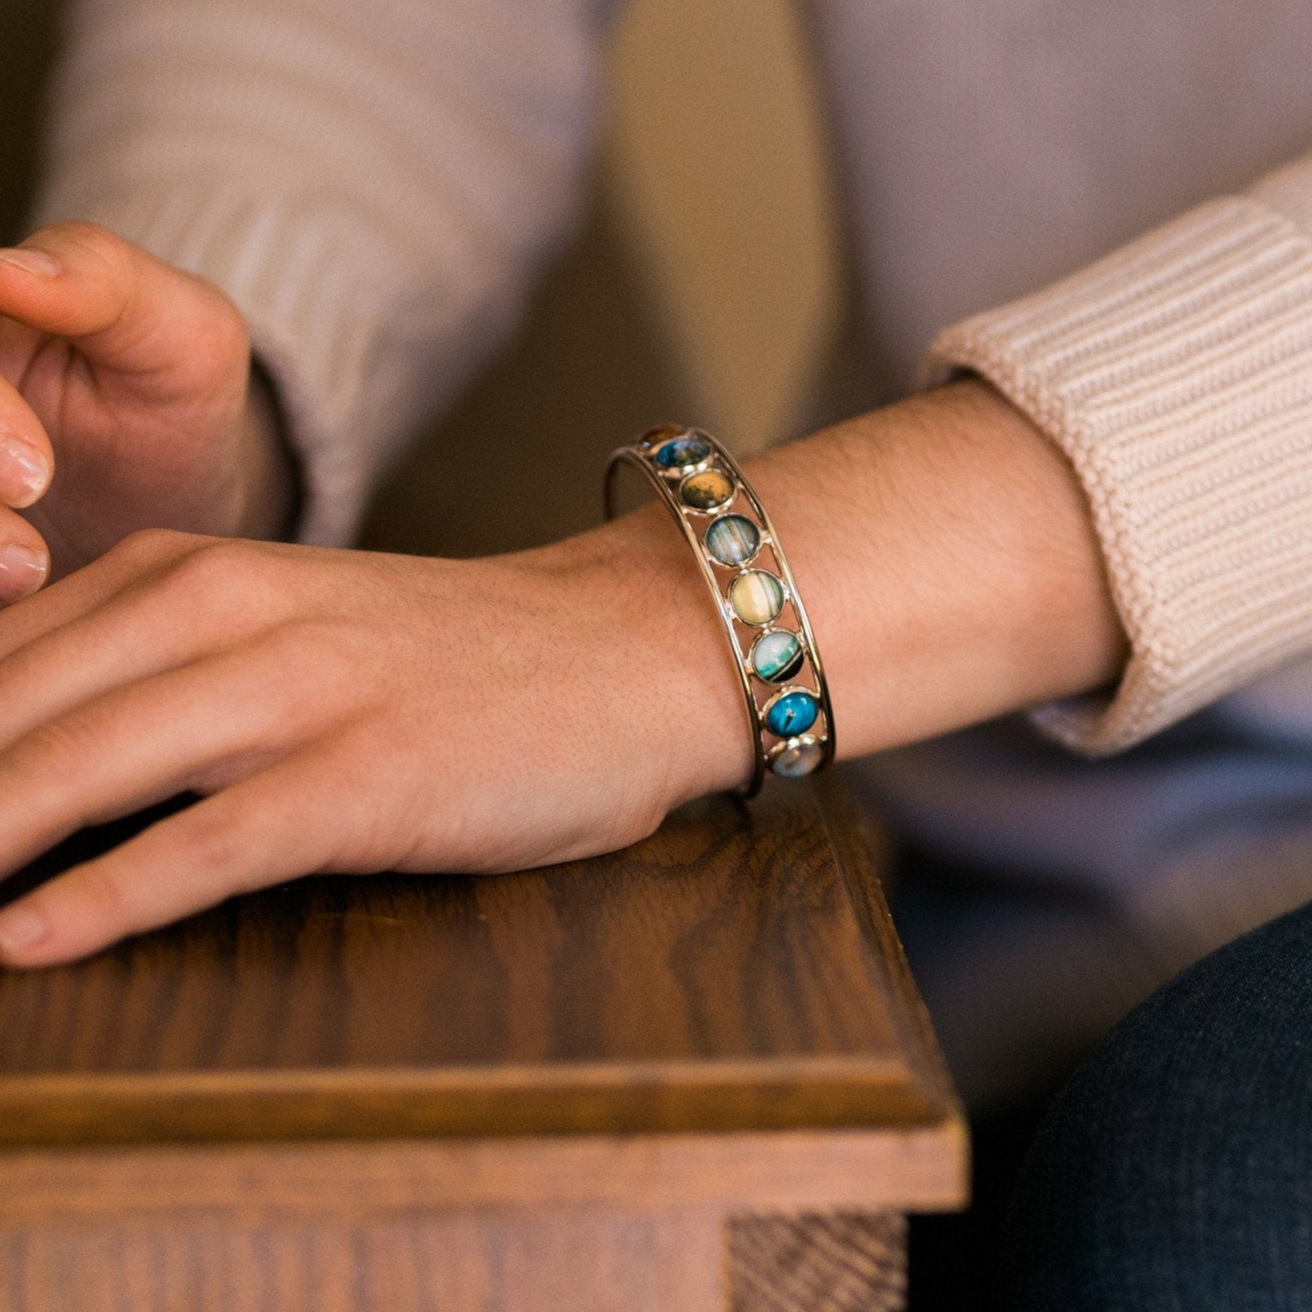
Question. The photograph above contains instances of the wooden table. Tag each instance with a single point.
(690, 1076)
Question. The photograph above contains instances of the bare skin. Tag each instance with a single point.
(133, 379)
(321, 701)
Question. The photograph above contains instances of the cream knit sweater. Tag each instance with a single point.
(376, 183)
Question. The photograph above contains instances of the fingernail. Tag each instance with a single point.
(22, 570)
(24, 470)
(34, 261)
(21, 927)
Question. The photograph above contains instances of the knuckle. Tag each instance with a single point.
(207, 841)
(81, 231)
(220, 345)
(109, 891)
(148, 545)
(93, 241)
(219, 568)
(55, 749)
(220, 587)
(226, 334)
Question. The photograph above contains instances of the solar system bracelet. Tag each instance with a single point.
(787, 699)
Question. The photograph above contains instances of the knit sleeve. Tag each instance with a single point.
(1176, 375)
(372, 183)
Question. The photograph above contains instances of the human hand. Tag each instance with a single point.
(342, 711)
(347, 712)
(124, 404)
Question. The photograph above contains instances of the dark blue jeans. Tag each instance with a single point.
(1173, 1173)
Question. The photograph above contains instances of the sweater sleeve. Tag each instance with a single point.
(1176, 375)
(372, 183)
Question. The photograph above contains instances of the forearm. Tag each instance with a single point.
(346, 711)
(944, 551)
(956, 574)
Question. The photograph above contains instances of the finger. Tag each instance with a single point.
(75, 644)
(74, 640)
(135, 560)
(158, 601)
(277, 825)
(127, 309)
(68, 658)
(54, 606)
(184, 730)
(24, 560)
(26, 459)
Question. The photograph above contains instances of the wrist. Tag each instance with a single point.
(947, 555)
(945, 552)
(673, 671)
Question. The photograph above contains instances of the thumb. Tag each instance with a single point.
(123, 308)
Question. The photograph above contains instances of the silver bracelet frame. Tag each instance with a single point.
(774, 648)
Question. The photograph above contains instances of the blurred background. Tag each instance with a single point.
(704, 284)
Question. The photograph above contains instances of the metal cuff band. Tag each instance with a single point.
(783, 682)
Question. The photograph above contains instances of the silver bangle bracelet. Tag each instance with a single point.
(783, 682)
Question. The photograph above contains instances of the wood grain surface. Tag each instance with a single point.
(577, 1260)
(693, 1074)
(825, 1262)
(572, 1261)
(727, 973)
(919, 1168)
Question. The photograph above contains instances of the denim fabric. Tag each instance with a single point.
(1173, 1173)
(1049, 894)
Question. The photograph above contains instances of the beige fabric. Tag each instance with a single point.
(1177, 376)
(375, 184)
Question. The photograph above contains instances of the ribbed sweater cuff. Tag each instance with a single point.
(1176, 375)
